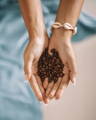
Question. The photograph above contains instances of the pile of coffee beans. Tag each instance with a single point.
(50, 66)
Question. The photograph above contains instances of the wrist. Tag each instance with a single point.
(38, 39)
(36, 33)
(61, 34)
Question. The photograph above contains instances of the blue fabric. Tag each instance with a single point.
(17, 101)
(86, 23)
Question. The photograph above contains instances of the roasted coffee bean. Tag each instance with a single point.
(42, 80)
(53, 50)
(61, 74)
(49, 79)
(50, 66)
(42, 77)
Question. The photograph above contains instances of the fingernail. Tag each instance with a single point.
(74, 82)
(51, 94)
(57, 97)
(46, 101)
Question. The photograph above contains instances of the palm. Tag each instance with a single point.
(67, 56)
(66, 53)
(32, 54)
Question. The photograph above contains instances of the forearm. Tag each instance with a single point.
(33, 17)
(69, 11)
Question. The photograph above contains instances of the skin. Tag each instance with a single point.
(61, 41)
(38, 41)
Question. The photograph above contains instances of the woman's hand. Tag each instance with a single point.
(32, 54)
(60, 40)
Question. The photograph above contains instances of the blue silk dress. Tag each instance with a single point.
(17, 101)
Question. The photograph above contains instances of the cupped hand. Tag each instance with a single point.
(32, 54)
(64, 47)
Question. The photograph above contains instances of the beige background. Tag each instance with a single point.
(79, 102)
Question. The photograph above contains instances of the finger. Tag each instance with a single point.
(28, 68)
(73, 77)
(40, 84)
(46, 101)
(51, 46)
(50, 86)
(64, 83)
(34, 70)
(45, 83)
(54, 89)
(60, 90)
(73, 69)
(35, 88)
(72, 65)
(46, 40)
(25, 76)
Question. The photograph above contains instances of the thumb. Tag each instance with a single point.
(73, 69)
(28, 67)
(50, 47)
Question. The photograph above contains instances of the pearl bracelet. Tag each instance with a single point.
(66, 26)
